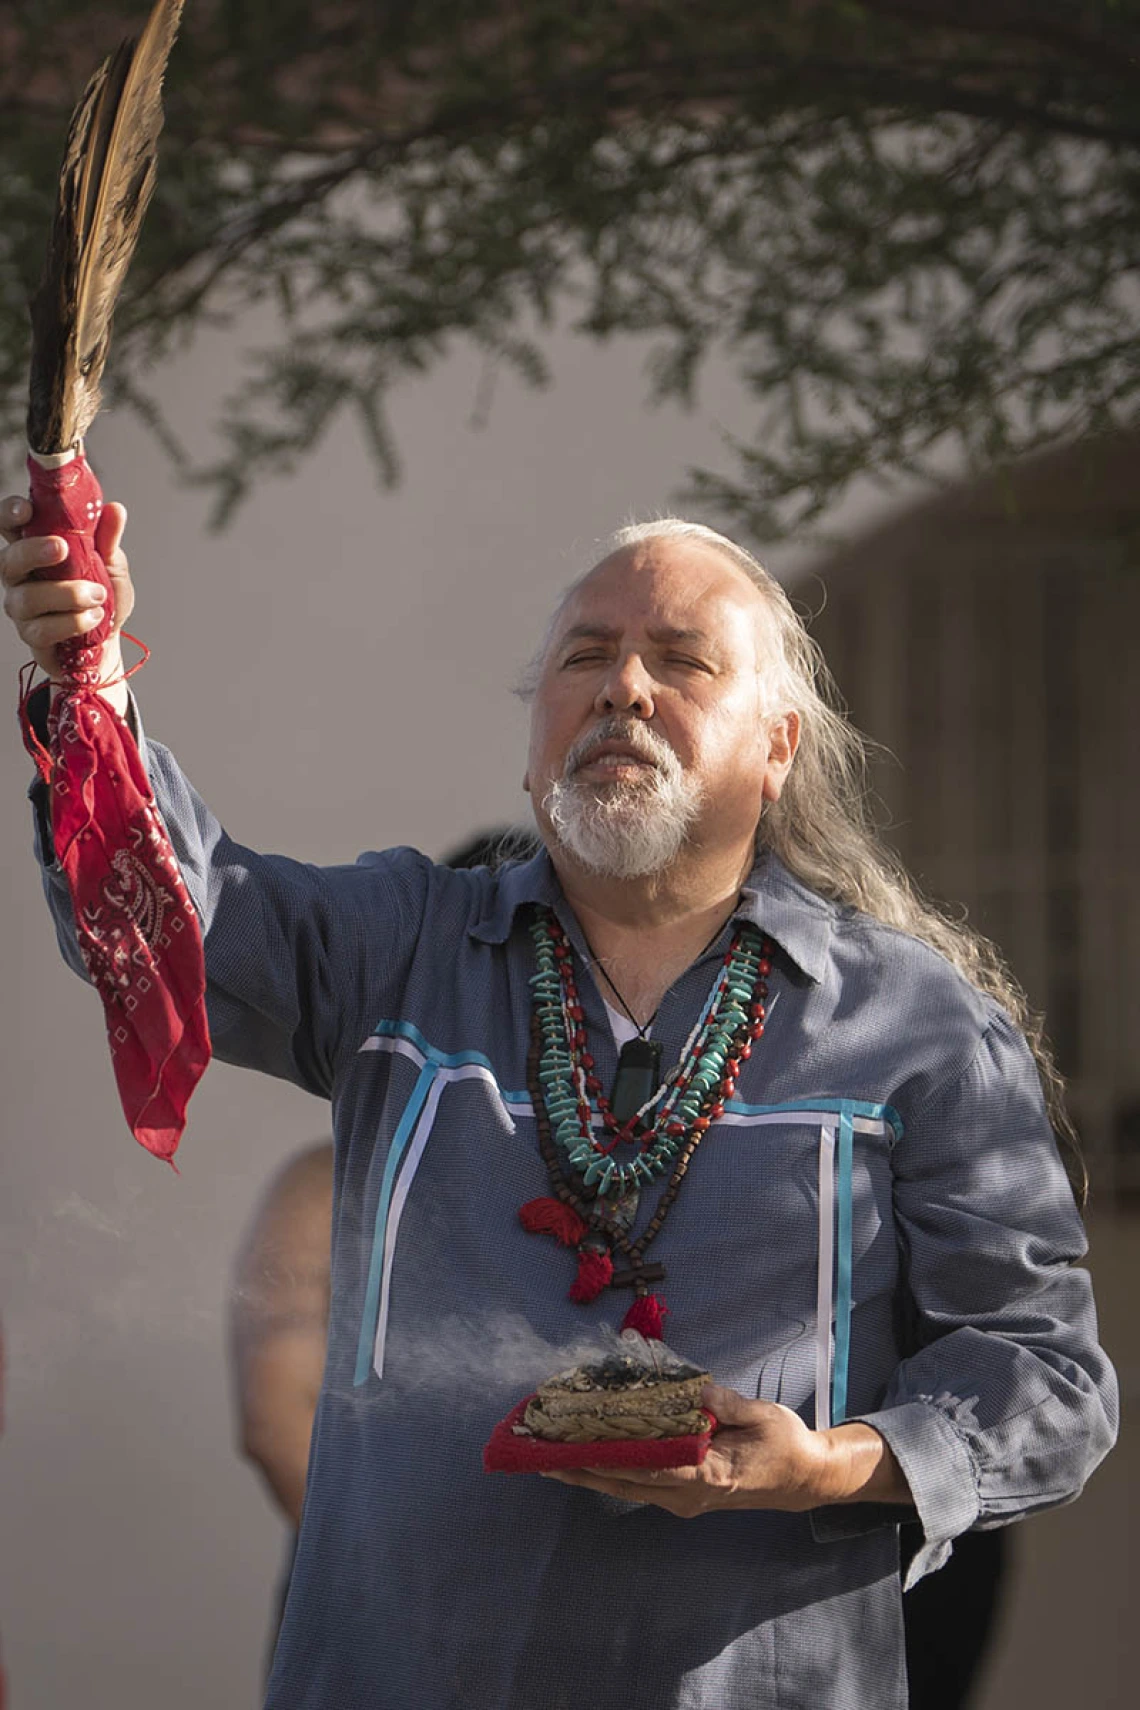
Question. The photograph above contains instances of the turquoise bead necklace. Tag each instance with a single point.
(597, 1188)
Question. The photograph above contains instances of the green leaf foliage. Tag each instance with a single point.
(903, 222)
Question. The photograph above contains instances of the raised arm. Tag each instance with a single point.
(297, 957)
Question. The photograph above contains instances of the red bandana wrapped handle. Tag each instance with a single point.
(69, 502)
(136, 925)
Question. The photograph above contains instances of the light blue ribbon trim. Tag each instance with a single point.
(843, 1262)
(396, 1151)
(454, 1060)
(444, 1060)
(463, 1059)
(850, 1107)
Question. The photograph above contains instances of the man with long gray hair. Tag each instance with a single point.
(711, 1040)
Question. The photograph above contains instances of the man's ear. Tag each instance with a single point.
(783, 739)
(526, 782)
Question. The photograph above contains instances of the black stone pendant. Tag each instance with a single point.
(638, 1077)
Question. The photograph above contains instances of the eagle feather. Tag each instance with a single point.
(106, 180)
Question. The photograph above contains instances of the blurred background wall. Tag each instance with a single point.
(334, 674)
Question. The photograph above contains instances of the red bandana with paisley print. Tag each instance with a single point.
(138, 929)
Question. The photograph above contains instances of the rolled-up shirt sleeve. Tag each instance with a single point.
(1007, 1403)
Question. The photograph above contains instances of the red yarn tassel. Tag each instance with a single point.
(594, 1273)
(549, 1216)
(646, 1316)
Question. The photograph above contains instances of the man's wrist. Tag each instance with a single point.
(860, 1467)
(113, 684)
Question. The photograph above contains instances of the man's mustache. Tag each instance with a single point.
(643, 743)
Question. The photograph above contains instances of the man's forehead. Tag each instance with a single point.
(684, 591)
(597, 629)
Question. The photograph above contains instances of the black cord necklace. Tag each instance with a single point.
(612, 983)
(638, 1073)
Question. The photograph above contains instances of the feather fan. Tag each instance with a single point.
(106, 181)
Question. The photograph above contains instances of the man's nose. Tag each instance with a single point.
(627, 688)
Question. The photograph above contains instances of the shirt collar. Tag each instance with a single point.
(797, 918)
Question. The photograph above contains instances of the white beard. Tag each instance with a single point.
(630, 828)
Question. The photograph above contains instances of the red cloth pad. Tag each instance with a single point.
(505, 1451)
